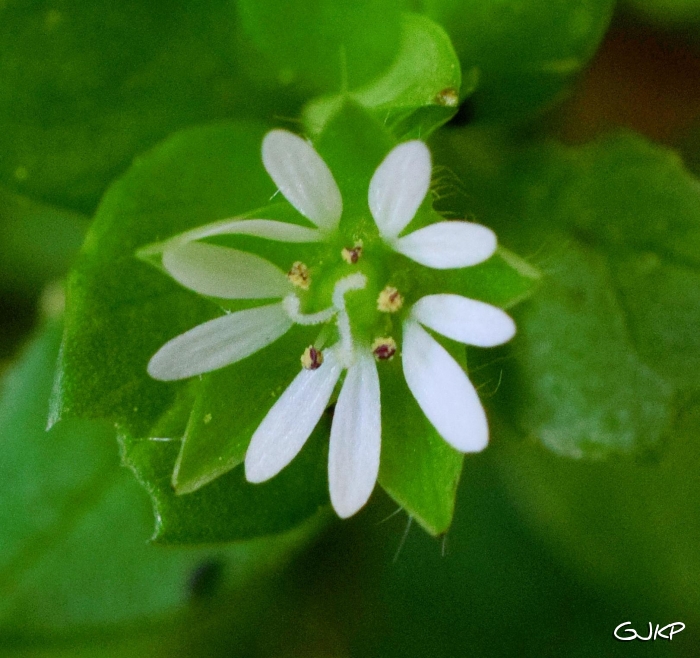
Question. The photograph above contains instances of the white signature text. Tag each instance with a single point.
(626, 634)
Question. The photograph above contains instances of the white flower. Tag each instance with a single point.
(438, 383)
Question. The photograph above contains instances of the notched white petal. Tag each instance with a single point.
(448, 245)
(465, 320)
(286, 427)
(399, 186)
(219, 342)
(442, 390)
(223, 272)
(303, 178)
(353, 458)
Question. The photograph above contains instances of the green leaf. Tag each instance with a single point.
(323, 44)
(122, 310)
(37, 242)
(87, 87)
(582, 388)
(230, 508)
(606, 349)
(526, 51)
(416, 94)
(74, 556)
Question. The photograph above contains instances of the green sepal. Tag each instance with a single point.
(230, 405)
(230, 508)
(418, 469)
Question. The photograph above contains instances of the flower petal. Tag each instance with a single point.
(286, 427)
(303, 177)
(442, 390)
(399, 186)
(465, 320)
(270, 229)
(223, 272)
(353, 458)
(219, 342)
(447, 245)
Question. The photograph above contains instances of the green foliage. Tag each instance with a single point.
(603, 368)
(324, 44)
(631, 528)
(121, 309)
(86, 87)
(230, 509)
(413, 96)
(606, 351)
(678, 13)
(37, 242)
(75, 524)
(526, 51)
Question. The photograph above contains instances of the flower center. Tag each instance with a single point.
(346, 295)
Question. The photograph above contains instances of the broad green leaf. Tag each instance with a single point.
(582, 387)
(122, 310)
(86, 87)
(606, 349)
(526, 51)
(37, 242)
(74, 555)
(417, 93)
(322, 44)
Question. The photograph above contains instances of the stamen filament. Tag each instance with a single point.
(355, 281)
(292, 306)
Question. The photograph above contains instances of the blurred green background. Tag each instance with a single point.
(546, 556)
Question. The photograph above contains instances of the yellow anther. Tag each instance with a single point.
(299, 275)
(384, 348)
(351, 256)
(389, 300)
(312, 358)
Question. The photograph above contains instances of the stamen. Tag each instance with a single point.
(389, 300)
(351, 256)
(299, 275)
(312, 358)
(384, 348)
(292, 306)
